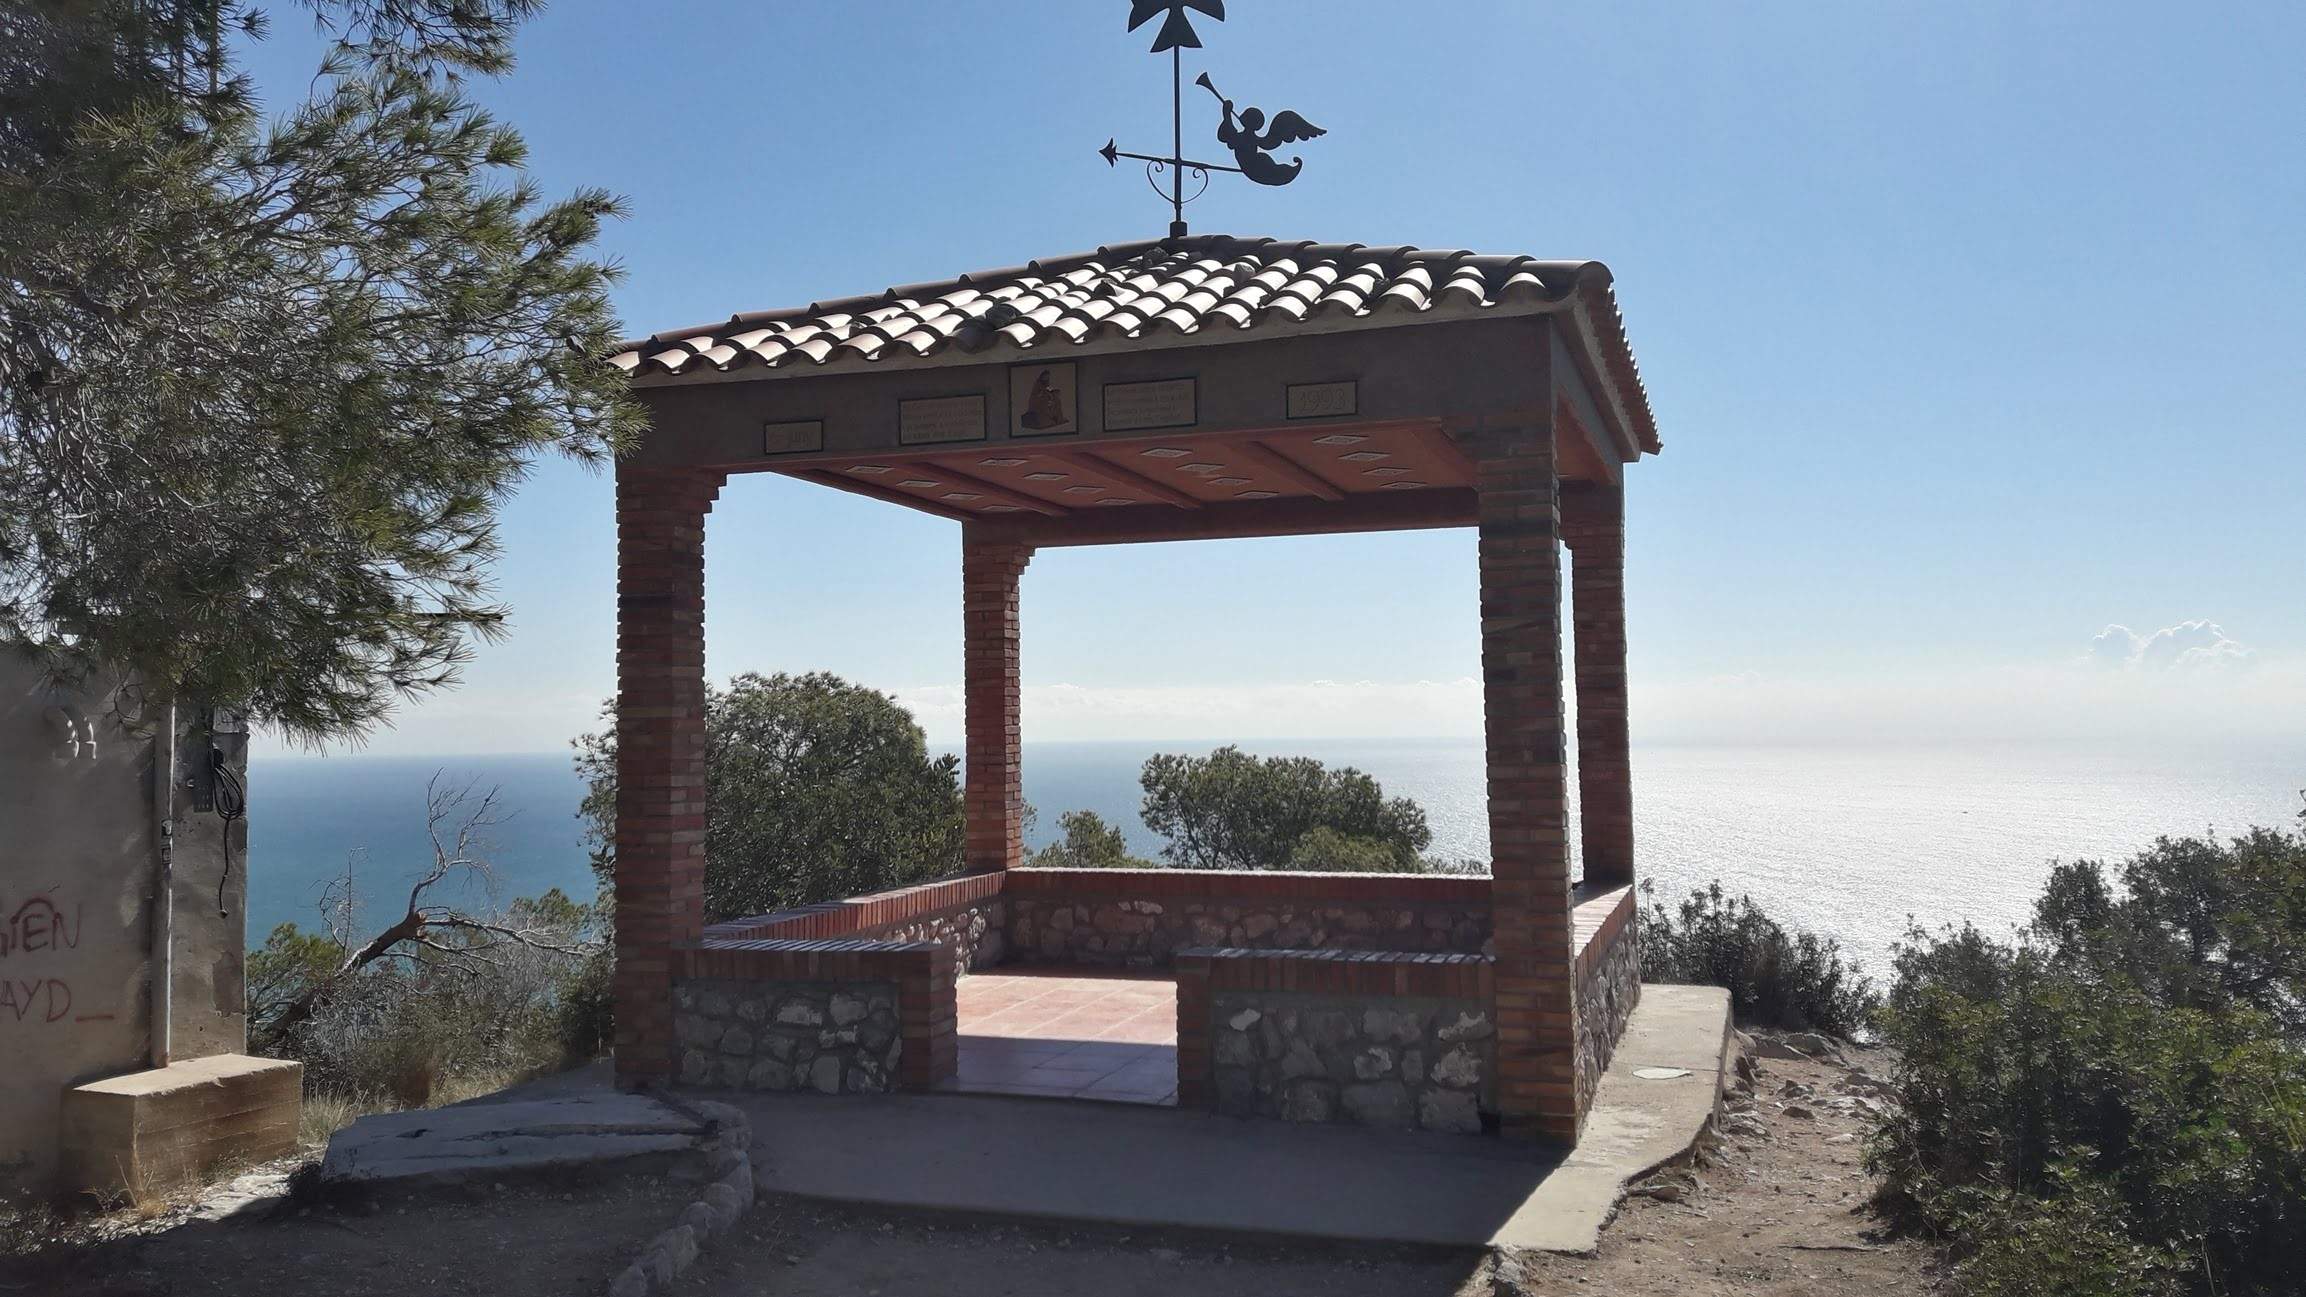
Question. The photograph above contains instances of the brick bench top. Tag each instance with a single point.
(1243, 884)
(1338, 972)
(1597, 916)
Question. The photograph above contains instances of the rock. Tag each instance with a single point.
(1166, 1255)
(800, 1013)
(1664, 1191)
(1329, 1028)
(1236, 1049)
(1244, 1020)
(848, 1009)
(1311, 1101)
(1866, 1083)
(1391, 1025)
(1449, 1110)
(1816, 1046)
(713, 1004)
(1797, 1112)
(1301, 1061)
(1460, 1069)
(1378, 1103)
(1843, 1138)
(699, 1218)
(672, 1252)
(1745, 1126)
(769, 1074)
(825, 1074)
(634, 1282)
(695, 1029)
(1795, 1090)
(1372, 1063)
(1772, 1047)
(696, 1067)
(1508, 1278)
(1469, 1026)
(753, 1009)
(737, 1040)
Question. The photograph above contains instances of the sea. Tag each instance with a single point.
(1857, 843)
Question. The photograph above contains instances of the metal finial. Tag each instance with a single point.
(1246, 132)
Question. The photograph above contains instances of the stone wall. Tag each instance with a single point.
(1141, 918)
(831, 1037)
(1608, 987)
(885, 1010)
(978, 934)
(1379, 1061)
(1376, 1038)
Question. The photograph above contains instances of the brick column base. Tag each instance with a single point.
(660, 830)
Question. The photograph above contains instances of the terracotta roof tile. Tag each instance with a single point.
(1224, 286)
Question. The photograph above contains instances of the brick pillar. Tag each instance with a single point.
(1593, 522)
(993, 799)
(1536, 1007)
(660, 835)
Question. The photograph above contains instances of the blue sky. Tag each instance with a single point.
(1971, 330)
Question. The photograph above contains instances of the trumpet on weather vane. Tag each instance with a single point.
(1246, 132)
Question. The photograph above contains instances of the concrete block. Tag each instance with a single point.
(150, 1134)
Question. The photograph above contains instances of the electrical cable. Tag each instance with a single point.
(231, 803)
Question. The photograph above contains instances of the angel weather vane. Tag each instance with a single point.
(1246, 132)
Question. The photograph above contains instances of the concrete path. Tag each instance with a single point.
(1109, 1163)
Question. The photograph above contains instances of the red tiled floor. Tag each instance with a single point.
(1056, 1035)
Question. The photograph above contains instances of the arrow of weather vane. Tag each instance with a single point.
(1245, 131)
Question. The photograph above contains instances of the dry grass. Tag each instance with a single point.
(328, 1111)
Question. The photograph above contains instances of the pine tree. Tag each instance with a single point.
(263, 384)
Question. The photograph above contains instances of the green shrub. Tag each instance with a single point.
(2133, 1057)
(1795, 980)
(816, 789)
(1230, 810)
(1089, 843)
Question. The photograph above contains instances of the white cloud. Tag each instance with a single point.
(2188, 646)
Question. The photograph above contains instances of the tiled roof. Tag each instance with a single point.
(1203, 288)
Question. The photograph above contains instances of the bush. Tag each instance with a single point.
(816, 789)
(1229, 810)
(1795, 980)
(428, 1020)
(1089, 843)
(2133, 1057)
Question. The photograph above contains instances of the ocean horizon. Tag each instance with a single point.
(1852, 842)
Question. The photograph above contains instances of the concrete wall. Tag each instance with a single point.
(77, 871)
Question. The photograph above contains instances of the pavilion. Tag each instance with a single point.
(1188, 388)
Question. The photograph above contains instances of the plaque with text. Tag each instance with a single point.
(1324, 400)
(1164, 403)
(941, 418)
(792, 437)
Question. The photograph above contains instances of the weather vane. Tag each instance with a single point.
(1246, 131)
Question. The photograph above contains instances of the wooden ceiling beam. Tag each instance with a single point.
(969, 482)
(1087, 461)
(1288, 470)
(875, 491)
(1297, 516)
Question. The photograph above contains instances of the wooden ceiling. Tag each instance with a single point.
(1024, 480)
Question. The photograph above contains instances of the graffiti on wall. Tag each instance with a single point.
(38, 927)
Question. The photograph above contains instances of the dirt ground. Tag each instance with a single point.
(1774, 1210)
(1777, 1210)
(515, 1242)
